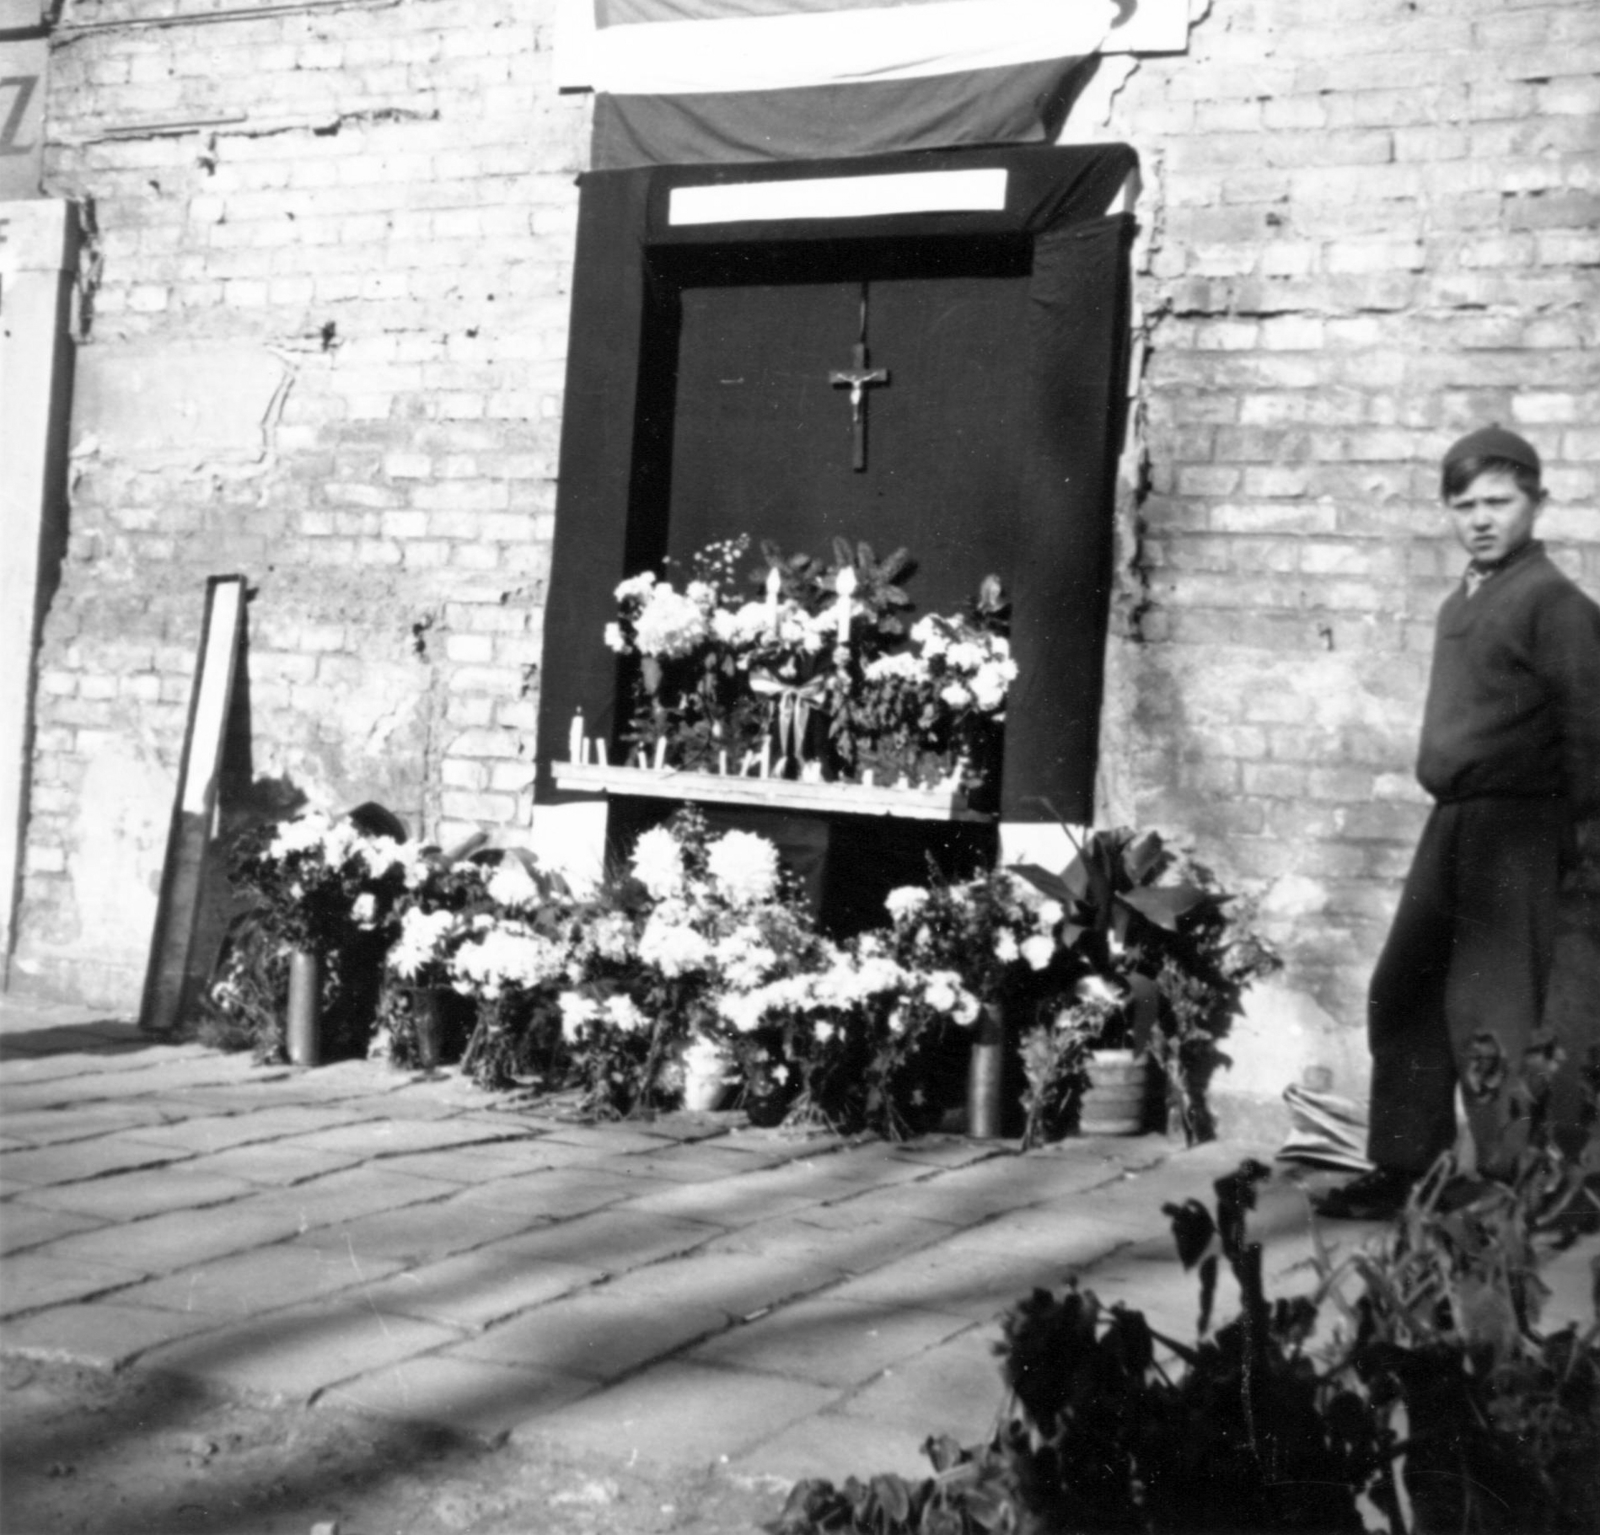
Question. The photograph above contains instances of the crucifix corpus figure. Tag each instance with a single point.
(859, 377)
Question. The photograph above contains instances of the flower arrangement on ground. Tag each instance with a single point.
(691, 917)
(818, 677)
(1152, 962)
(331, 886)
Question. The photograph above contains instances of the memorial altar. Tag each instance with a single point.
(920, 354)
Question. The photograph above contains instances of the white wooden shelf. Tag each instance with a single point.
(773, 793)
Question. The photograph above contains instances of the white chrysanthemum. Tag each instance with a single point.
(622, 1012)
(636, 587)
(421, 935)
(1049, 916)
(989, 687)
(929, 635)
(511, 885)
(702, 594)
(744, 1010)
(903, 665)
(674, 950)
(576, 1011)
(1005, 946)
(669, 624)
(299, 835)
(1099, 990)
(364, 909)
(503, 957)
(615, 639)
(940, 993)
(658, 862)
(965, 656)
(957, 694)
(380, 855)
(905, 901)
(1038, 950)
(744, 866)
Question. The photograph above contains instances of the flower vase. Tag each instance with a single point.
(706, 1079)
(303, 1025)
(427, 1023)
(1116, 1100)
(984, 1073)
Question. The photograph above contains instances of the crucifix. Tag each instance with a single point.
(859, 377)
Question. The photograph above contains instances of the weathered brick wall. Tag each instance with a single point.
(1371, 226)
(1368, 226)
(324, 335)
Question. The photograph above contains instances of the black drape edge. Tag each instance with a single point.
(1080, 293)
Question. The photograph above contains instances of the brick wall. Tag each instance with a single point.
(358, 261)
(1370, 227)
(1366, 227)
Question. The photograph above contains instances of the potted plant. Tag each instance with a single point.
(1157, 966)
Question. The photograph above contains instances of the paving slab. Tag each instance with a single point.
(830, 1342)
(133, 1195)
(646, 1417)
(593, 1335)
(74, 1160)
(261, 1280)
(23, 1226)
(474, 1290)
(291, 1355)
(474, 1396)
(833, 1446)
(740, 1285)
(164, 1243)
(106, 1335)
(35, 1280)
(612, 1240)
(273, 1164)
(953, 1388)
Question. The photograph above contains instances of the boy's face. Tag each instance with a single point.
(1493, 517)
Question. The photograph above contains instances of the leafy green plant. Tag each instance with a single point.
(1157, 963)
(1441, 1407)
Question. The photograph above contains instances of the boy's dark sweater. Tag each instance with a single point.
(1514, 700)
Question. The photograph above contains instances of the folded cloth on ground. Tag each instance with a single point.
(1326, 1129)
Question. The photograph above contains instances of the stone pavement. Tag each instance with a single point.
(690, 1290)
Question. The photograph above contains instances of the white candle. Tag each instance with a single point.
(575, 737)
(766, 757)
(602, 754)
(845, 584)
(661, 753)
(774, 581)
(722, 763)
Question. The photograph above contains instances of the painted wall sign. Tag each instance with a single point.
(24, 68)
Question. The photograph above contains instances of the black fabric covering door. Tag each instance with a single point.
(698, 407)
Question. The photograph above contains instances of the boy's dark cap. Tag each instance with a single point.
(1494, 442)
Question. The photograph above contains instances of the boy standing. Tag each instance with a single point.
(1511, 755)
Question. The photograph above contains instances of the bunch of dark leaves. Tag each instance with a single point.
(1445, 1409)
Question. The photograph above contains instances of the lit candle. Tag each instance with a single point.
(575, 737)
(774, 582)
(845, 584)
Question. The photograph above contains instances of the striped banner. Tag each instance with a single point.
(691, 81)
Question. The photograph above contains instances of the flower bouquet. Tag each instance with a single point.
(817, 678)
(330, 888)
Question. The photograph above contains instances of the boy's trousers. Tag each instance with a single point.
(1469, 951)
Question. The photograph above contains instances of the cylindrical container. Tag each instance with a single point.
(984, 1073)
(1117, 1097)
(305, 995)
(425, 1017)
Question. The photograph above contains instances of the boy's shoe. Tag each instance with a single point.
(1379, 1195)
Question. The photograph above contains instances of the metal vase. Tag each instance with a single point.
(984, 1073)
(305, 1008)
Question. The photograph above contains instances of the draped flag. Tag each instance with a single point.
(691, 81)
